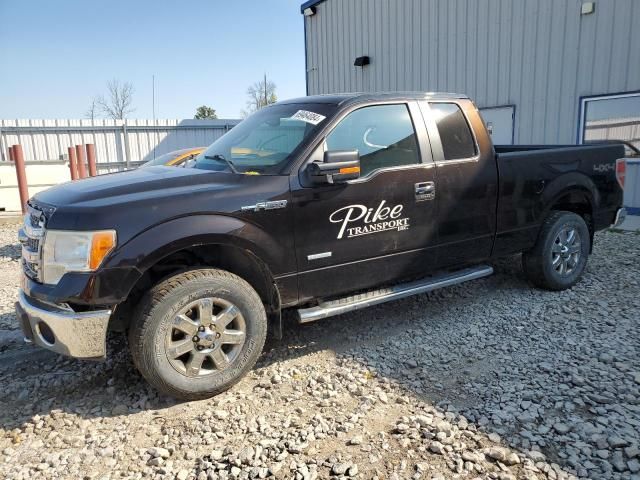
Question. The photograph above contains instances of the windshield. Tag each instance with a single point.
(166, 158)
(264, 142)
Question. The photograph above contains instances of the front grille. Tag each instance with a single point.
(36, 218)
(31, 235)
(33, 244)
(30, 269)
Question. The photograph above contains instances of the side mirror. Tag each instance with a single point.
(338, 166)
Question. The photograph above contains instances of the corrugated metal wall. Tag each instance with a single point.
(539, 55)
(116, 142)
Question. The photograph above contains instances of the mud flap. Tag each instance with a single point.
(275, 325)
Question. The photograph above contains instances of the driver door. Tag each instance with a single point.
(379, 227)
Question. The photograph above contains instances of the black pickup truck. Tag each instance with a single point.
(321, 204)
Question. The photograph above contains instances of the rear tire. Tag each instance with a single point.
(560, 254)
(197, 333)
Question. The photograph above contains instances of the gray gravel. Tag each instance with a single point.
(9, 276)
(487, 380)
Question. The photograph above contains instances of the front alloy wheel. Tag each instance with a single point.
(206, 337)
(197, 333)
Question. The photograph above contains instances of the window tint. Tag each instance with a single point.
(382, 134)
(457, 141)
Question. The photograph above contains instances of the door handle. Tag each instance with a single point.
(425, 190)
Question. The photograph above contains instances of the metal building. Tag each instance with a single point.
(542, 71)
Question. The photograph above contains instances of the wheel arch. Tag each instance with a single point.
(180, 245)
(578, 199)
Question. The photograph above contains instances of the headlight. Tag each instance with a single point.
(65, 251)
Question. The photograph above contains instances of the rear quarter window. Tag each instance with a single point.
(455, 134)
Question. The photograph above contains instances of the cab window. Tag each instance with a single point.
(455, 134)
(383, 135)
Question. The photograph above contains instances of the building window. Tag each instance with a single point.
(455, 134)
(610, 117)
(383, 135)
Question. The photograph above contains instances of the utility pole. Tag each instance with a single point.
(153, 110)
(153, 97)
(265, 90)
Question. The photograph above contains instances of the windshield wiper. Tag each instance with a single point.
(222, 158)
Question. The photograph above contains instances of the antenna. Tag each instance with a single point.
(153, 110)
(153, 97)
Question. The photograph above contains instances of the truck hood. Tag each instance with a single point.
(119, 187)
(133, 201)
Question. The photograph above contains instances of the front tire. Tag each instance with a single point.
(197, 333)
(560, 254)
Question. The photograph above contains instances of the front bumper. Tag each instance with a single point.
(75, 334)
(100, 289)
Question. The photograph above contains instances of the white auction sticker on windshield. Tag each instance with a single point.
(309, 117)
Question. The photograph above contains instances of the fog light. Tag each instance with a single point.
(46, 334)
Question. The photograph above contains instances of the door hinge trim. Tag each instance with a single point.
(317, 256)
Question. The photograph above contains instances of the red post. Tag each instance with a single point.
(23, 187)
(73, 166)
(11, 154)
(91, 159)
(82, 168)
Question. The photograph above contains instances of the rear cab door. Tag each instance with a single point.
(467, 186)
(376, 228)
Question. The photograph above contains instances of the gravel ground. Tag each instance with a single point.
(487, 380)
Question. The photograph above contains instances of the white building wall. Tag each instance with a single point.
(40, 176)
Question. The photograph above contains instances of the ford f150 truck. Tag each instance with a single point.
(323, 204)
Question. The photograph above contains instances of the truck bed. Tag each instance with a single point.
(533, 177)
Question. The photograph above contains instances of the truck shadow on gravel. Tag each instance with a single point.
(474, 350)
(11, 251)
(36, 382)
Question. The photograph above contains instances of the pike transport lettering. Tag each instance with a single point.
(358, 220)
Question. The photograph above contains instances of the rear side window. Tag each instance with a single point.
(456, 137)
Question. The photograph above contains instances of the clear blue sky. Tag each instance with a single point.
(55, 55)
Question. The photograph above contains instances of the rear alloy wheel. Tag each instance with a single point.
(559, 257)
(566, 251)
(197, 333)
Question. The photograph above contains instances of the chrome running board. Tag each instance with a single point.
(330, 308)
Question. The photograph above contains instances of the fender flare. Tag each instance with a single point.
(149, 247)
(574, 182)
(152, 245)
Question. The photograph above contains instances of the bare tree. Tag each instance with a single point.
(118, 103)
(260, 95)
(92, 111)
